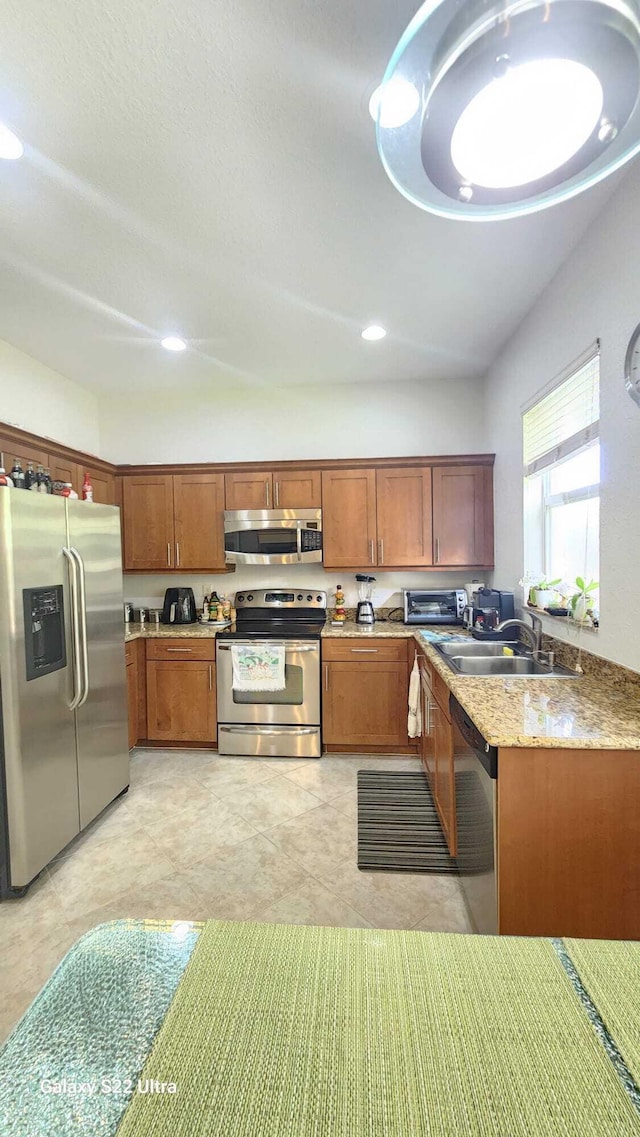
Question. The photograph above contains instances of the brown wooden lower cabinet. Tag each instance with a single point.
(181, 700)
(365, 685)
(568, 843)
(436, 748)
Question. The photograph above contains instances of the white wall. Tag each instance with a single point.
(596, 293)
(35, 398)
(149, 589)
(267, 423)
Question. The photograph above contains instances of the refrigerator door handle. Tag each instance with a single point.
(75, 628)
(82, 608)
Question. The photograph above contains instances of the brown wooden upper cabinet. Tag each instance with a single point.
(403, 510)
(462, 516)
(173, 521)
(273, 489)
(349, 525)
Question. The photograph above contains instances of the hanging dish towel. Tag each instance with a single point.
(414, 720)
(258, 667)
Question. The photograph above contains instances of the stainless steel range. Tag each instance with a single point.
(283, 722)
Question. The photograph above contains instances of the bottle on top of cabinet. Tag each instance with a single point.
(68, 491)
(30, 481)
(5, 479)
(17, 475)
(87, 487)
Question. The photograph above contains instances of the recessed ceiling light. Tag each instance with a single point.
(374, 332)
(394, 103)
(10, 145)
(525, 105)
(173, 343)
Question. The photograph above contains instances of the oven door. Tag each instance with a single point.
(297, 703)
(272, 537)
(432, 608)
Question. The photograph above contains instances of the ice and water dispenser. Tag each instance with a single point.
(44, 630)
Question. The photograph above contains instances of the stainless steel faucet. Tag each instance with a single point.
(534, 633)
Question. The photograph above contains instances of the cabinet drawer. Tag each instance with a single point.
(366, 649)
(181, 649)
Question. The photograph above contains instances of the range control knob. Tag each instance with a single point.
(250, 597)
(319, 599)
(309, 597)
(240, 599)
(299, 596)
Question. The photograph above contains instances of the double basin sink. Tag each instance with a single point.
(474, 657)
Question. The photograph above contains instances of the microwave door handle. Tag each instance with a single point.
(299, 543)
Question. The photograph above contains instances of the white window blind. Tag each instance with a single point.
(566, 418)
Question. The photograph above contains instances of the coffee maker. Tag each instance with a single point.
(488, 608)
(364, 612)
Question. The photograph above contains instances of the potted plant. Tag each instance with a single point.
(541, 593)
(582, 599)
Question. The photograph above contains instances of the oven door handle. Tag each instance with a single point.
(290, 646)
(248, 729)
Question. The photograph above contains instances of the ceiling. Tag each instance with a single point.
(210, 169)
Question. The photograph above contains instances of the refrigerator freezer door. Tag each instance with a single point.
(40, 771)
(101, 717)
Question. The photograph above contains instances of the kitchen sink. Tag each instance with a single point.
(486, 660)
(474, 647)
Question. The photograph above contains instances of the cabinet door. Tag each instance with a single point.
(248, 491)
(181, 701)
(64, 471)
(147, 516)
(10, 450)
(198, 501)
(104, 485)
(365, 704)
(297, 489)
(132, 701)
(349, 518)
(444, 789)
(403, 507)
(463, 515)
(427, 741)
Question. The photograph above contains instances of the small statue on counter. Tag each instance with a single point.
(340, 615)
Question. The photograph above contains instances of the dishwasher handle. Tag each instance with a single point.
(486, 754)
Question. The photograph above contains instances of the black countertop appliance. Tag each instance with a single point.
(179, 606)
(491, 607)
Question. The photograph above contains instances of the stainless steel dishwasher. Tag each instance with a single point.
(476, 775)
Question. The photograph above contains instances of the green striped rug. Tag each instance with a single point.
(398, 825)
(281, 1031)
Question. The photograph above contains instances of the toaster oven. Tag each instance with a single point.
(427, 606)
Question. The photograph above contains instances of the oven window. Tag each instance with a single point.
(290, 695)
(263, 541)
(434, 606)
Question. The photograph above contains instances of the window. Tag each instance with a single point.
(562, 476)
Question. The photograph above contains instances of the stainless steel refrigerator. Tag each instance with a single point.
(63, 733)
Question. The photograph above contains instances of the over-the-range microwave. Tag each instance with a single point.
(272, 536)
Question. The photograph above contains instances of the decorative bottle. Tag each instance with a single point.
(340, 615)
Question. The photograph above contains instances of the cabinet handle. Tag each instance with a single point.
(209, 676)
(267, 488)
(381, 544)
(371, 551)
(326, 676)
(277, 493)
(179, 649)
(365, 650)
(169, 553)
(437, 558)
(177, 554)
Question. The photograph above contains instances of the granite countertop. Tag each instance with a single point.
(153, 631)
(583, 714)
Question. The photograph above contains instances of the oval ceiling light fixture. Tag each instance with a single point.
(173, 343)
(10, 145)
(373, 332)
(522, 105)
(394, 103)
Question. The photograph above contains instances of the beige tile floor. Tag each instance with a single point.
(199, 836)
